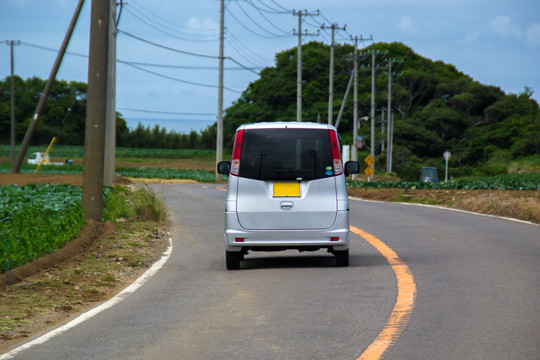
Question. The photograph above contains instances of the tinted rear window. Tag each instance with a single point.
(286, 154)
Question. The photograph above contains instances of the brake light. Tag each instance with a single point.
(334, 144)
(237, 150)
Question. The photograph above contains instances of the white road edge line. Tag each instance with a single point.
(93, 312)
(443, 208)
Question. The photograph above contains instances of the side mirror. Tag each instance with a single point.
(352, 167)
(224, 167)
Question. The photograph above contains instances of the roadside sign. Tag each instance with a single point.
(447, 155)
(368, 171)
(369, 160)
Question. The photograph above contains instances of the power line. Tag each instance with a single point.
(187, 53)
(285, 9)
(173, 23)
(272, 11)
(166, 33)
(230, 37)
(283, 32)
(24, 43)
(176, 79)
(166, 47)
(167, 112)
(252, 31)
(189, 67)
(241, 65)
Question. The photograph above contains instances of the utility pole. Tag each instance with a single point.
(299, 61)
(390, 125)
(382, 127)
(354, 155)
(110, 122)
(219, 140)
(331, 71)
(373, 66)
(96, 111)
(373, 109)
(389, 150)
(41, 104)
(355, 104)
(12, 43)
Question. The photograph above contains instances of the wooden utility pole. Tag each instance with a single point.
(96, 111)
(110, 127)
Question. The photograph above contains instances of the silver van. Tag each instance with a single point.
(286, 190)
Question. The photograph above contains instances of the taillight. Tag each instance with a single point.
(336, 157)
(237, 150)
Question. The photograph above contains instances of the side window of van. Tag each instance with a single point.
(286, 154)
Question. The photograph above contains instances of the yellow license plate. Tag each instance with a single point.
(287, 189)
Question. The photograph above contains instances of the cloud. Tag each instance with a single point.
(202, 24)
(502, 26)
(406, 25)
(533, 36)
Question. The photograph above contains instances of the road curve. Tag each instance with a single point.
(477, 295)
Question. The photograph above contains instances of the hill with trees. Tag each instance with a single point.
(436, 109)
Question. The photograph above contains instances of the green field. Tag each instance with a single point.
(36, 220)
(121, 152)
(526, 181)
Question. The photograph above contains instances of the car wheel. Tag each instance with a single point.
(342, 258)
(232, 259)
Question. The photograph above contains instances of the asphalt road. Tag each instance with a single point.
(477, 279)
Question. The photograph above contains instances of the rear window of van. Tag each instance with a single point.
(286, 154)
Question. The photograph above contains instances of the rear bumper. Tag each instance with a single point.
(267, 240)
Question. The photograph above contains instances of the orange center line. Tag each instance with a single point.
(404, 306)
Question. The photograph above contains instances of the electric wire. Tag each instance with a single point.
(278, 5)
(173, 23)
(176, 79)
(260, 26)
(167, 112)
(273, 36)
(231, 38)
(166, 47)
(167, 33)
(240, 53)
(189, 67)
(272, 11)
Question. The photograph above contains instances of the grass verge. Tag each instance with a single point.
(137, 223)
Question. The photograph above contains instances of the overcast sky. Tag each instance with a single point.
(496, 42)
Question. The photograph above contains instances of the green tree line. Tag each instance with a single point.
(64, 116)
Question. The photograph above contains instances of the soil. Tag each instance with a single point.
(105, 258)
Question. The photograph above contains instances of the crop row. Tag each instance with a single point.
(529, 181)
(121, 152)
(127, 171)
(36, 220)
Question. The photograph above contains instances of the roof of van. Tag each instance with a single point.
(287, 124)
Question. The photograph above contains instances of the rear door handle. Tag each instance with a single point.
(287, 205)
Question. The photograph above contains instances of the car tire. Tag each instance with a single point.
(232, 259)
(342, 258)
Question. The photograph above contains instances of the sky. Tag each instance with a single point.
(496, 42)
